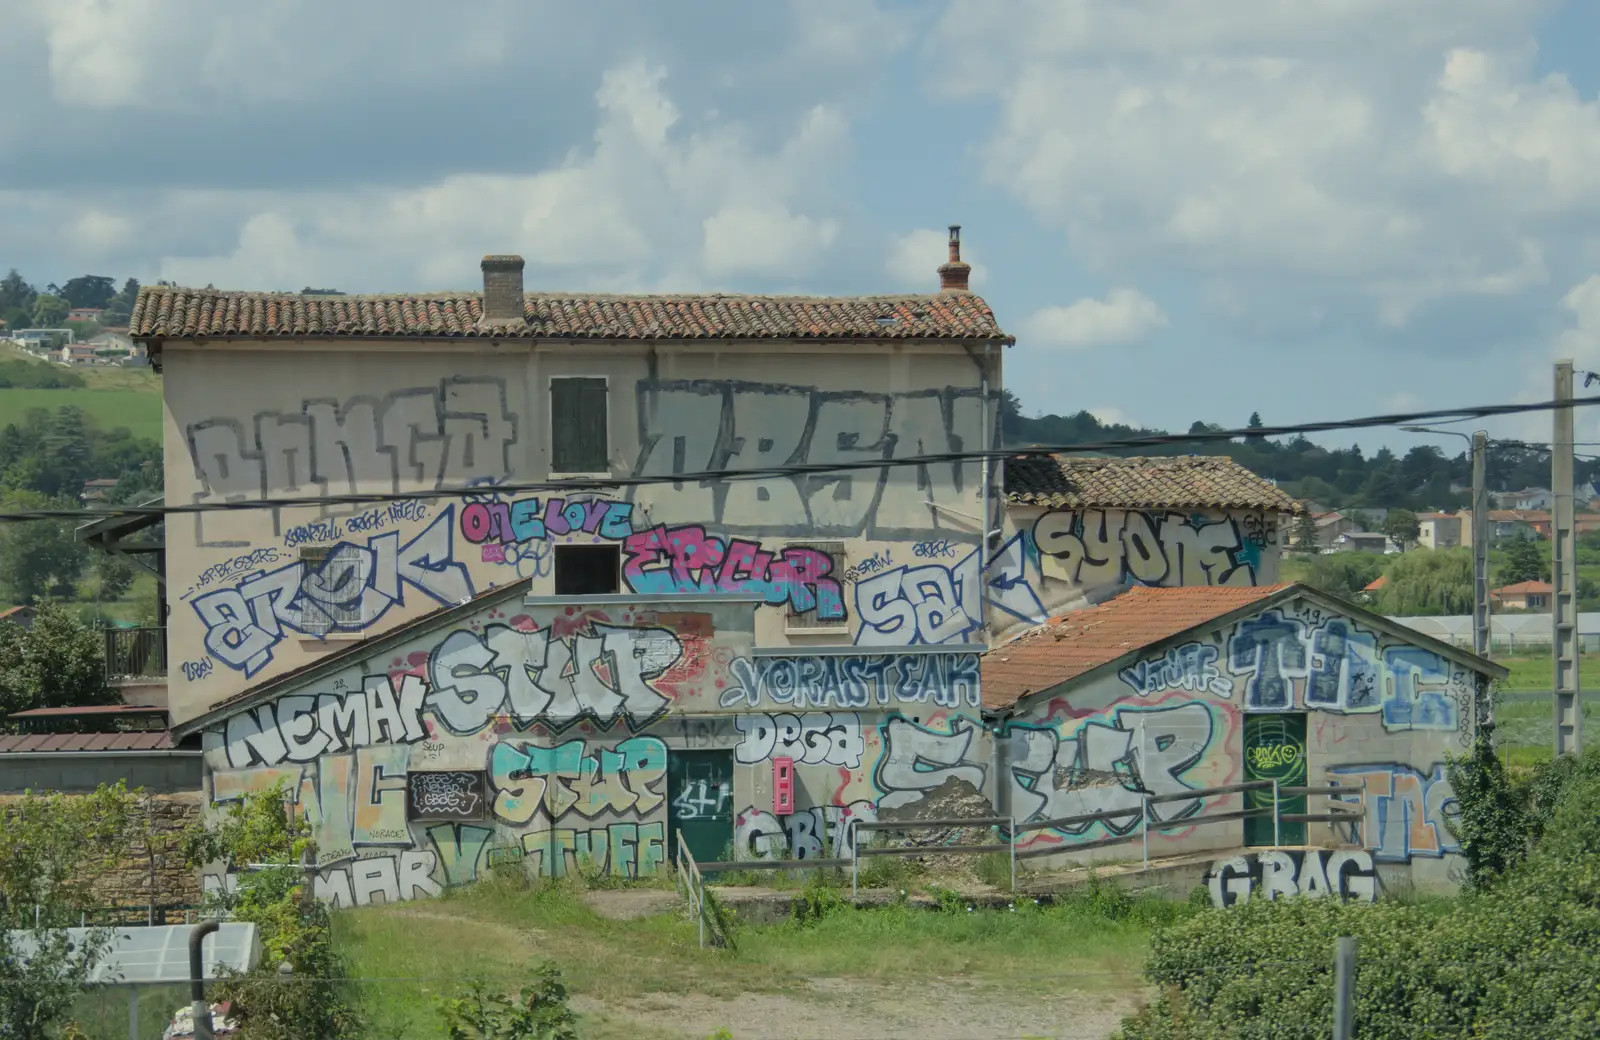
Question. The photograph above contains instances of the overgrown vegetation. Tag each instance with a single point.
(261, 831)
(54, 663)
(1514, 957)
(539, 1013)
(53, 850)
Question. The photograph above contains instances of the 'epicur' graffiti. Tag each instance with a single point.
(353, 586)
(949, 680)
(1107, 764)
(687, 559)
(1102, 548)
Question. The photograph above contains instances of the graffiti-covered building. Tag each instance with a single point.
(1093, 527)
(1160, 691)
(613, 576)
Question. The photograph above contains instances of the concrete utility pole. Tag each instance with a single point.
(1480, 544)
(1564, 574)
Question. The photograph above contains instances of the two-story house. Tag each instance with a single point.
(563, 578)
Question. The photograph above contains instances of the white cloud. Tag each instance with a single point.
(647, 195)
(1110, 416)
(1124, 316)
(914, 258)
(97, 232)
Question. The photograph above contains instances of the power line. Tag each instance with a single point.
(802, 469)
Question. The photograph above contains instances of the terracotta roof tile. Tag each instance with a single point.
(1525, 587)
(166, 312)
(1172, 482)
(1068, 646)
(103, 742)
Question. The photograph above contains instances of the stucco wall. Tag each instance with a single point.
(1074, 557)
(573, 714)
(1378, 711)
(244, 420)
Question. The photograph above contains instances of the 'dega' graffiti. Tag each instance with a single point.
(1093, 765)
(1103, 548)
(1293, 873)
(931, 602)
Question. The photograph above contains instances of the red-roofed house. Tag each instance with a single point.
(1160, 691)
(1524, 595)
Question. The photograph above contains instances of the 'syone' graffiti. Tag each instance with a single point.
(932, 603)
(567, 778)
(917, 759)
(1291, 873)
(1342, 670)
(1191, 667)
(1408, 811)
(348, 590)
(1105, 548)
(687, 559)
(1107, 764)
(948, 680)
(814, 739)
(821, 832)
(438, 435)
(693, 426)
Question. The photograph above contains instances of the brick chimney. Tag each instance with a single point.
(502, 290)
(953, 275)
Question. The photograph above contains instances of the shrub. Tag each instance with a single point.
(540, 1013)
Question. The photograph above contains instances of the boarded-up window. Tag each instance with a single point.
(332, 589)
(578, 426)
(811, 620)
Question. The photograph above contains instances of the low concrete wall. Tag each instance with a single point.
(71, 773)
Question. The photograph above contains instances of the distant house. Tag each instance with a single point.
(1361, 541)
(85, 313)
(96, 490)
(77, 354)
(1376, 584)
(113, 339)
(18, 616)
(1439, 530)
(1527, 498)
(1331, 525)
(1524, 595)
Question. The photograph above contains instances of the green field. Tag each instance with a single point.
(139, 409)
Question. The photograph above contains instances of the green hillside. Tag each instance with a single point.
(111, 395)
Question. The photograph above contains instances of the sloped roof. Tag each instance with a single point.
(40, 743)
(1376, 583)
(1171, 482)
(1072, 644)
(1522, 588)
(166, 312)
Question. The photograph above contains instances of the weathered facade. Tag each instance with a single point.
(1160, 691)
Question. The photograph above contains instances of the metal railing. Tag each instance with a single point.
(856, 851)
(136, 653)
(692, 884)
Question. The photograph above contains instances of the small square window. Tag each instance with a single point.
(588, 570)
(578, 425)
(334, 584)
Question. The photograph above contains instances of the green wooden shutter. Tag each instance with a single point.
(578, 426)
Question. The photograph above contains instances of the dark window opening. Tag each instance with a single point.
(578, 426)
(587, 570)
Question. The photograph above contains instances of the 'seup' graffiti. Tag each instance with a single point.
(568, 778)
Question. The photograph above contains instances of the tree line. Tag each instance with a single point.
(1423, 479)
(25, 306)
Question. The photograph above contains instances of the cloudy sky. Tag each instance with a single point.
(1183, 209)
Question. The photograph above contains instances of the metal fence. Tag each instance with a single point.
(1508, 633)
(136, 653)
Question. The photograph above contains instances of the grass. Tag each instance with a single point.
(137, 409)
(1094, 941)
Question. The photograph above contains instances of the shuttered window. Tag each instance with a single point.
(578, 426)
(332, 587)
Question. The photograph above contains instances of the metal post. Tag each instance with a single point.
(1564, 575)
(1011, 841)
(855, 859)
(1480, 544)
(1344, 988)
(197, 981)
(1144, 829)
(133, 1013)
(1276, 813)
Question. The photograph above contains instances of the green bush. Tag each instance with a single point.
(540, 1013)
(1517, 959)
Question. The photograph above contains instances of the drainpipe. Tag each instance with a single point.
(197, 980)
(988, 446)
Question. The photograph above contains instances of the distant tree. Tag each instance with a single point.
(120, 309)
(16, 299)
(1402, 527)
(115, 574)
(89, 290)
(1344, 574)
(57, 663)
(39, 558)
(49, 311)
(308, 291)
(69, 452)
(1522, 560)
(1303, 535)
(1428, 583)
(1255, 423)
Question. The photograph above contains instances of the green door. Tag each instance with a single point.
(700, 803)
(1275, 749)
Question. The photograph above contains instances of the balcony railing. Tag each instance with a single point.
(136, 653)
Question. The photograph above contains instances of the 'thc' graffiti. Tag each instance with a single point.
(352, 587)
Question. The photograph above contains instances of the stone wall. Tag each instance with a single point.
(162, 878)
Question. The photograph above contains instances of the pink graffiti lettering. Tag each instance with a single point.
(687, 559)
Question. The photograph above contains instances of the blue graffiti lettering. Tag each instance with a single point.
(1267, 648)
(947, 680)
(1192, 667)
